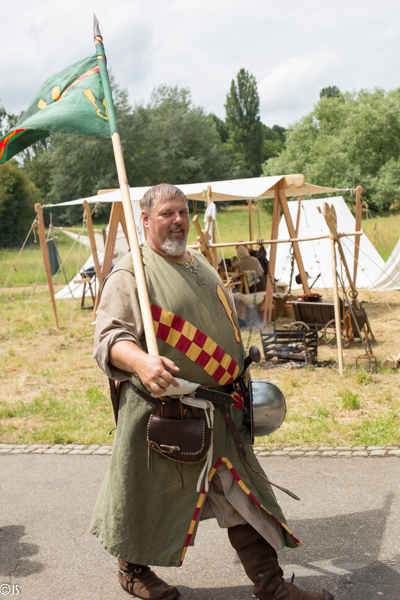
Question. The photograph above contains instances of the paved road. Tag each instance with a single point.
(348, 519)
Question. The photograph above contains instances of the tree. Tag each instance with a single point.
(332, 91)
(18, 196)
(222, 128)
(167, 139)
(243, 120)
(349, 139)
(274, 141)
(171, 140)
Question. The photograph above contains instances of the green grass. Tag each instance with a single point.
(350, 401)
(29, 268)
(53, 391)
(383, 232)
(77, 417)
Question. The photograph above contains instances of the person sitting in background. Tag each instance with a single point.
(251, 263)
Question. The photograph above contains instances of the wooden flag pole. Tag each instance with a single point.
(143, 295)
(46, 260)
(331, 221)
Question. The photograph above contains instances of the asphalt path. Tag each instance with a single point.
(348, 519)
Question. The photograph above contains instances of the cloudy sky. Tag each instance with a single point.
(294, 48)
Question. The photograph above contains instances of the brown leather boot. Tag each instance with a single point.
(260, 562)
(142, 582)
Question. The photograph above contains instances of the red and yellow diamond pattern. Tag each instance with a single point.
(195, 344)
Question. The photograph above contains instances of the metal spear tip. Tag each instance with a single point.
(96, 27)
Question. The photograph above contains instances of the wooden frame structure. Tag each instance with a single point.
(208, 245)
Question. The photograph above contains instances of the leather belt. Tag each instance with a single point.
(223, 400)
(220, 398)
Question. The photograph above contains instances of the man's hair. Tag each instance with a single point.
(164, 191)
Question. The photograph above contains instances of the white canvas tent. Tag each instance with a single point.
(390, 279)
(253, 188)
(316, 254)
(237, 189)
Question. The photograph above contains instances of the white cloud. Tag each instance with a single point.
(293, 49)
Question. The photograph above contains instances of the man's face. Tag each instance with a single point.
(168, 226)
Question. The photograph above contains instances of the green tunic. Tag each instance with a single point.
(146, 513)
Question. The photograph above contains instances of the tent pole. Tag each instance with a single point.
(358, 227)
(46, 261)
(115, 215)
(93, 246)
(292, 233)
(331, 221)
(276, 214)
(298, 215)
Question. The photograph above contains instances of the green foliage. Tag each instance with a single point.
(242, 117)
(349, 401)
(167, 139)
(332, 91)
(222, 128)
(274, 141)
(348, 139)
(18, 196)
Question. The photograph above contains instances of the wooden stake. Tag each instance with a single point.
(331, 221)
(46, 260)
(276, 214)
(358, 227)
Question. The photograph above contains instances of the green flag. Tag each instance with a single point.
(73, 101)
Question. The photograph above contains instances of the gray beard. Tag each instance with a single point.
(174, 248)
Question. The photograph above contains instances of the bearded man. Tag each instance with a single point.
(148, 514)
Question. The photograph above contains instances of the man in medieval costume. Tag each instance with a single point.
(149, 507)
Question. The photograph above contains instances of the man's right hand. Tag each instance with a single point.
(127, 356)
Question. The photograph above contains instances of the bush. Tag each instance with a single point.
(18, 196)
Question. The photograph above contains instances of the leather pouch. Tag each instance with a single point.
(179, 440)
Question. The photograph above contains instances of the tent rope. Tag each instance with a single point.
(37, 275)
(313, 242)
(13, 267)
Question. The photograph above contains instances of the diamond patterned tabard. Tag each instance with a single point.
(195, 344)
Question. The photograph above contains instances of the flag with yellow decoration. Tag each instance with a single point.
(73, 101)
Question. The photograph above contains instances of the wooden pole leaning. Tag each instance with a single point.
(292, 233)
(358, 227)
(331, 221)
(46, 260)
(93, 245)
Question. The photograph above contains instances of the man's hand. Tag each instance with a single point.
(151, 370)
